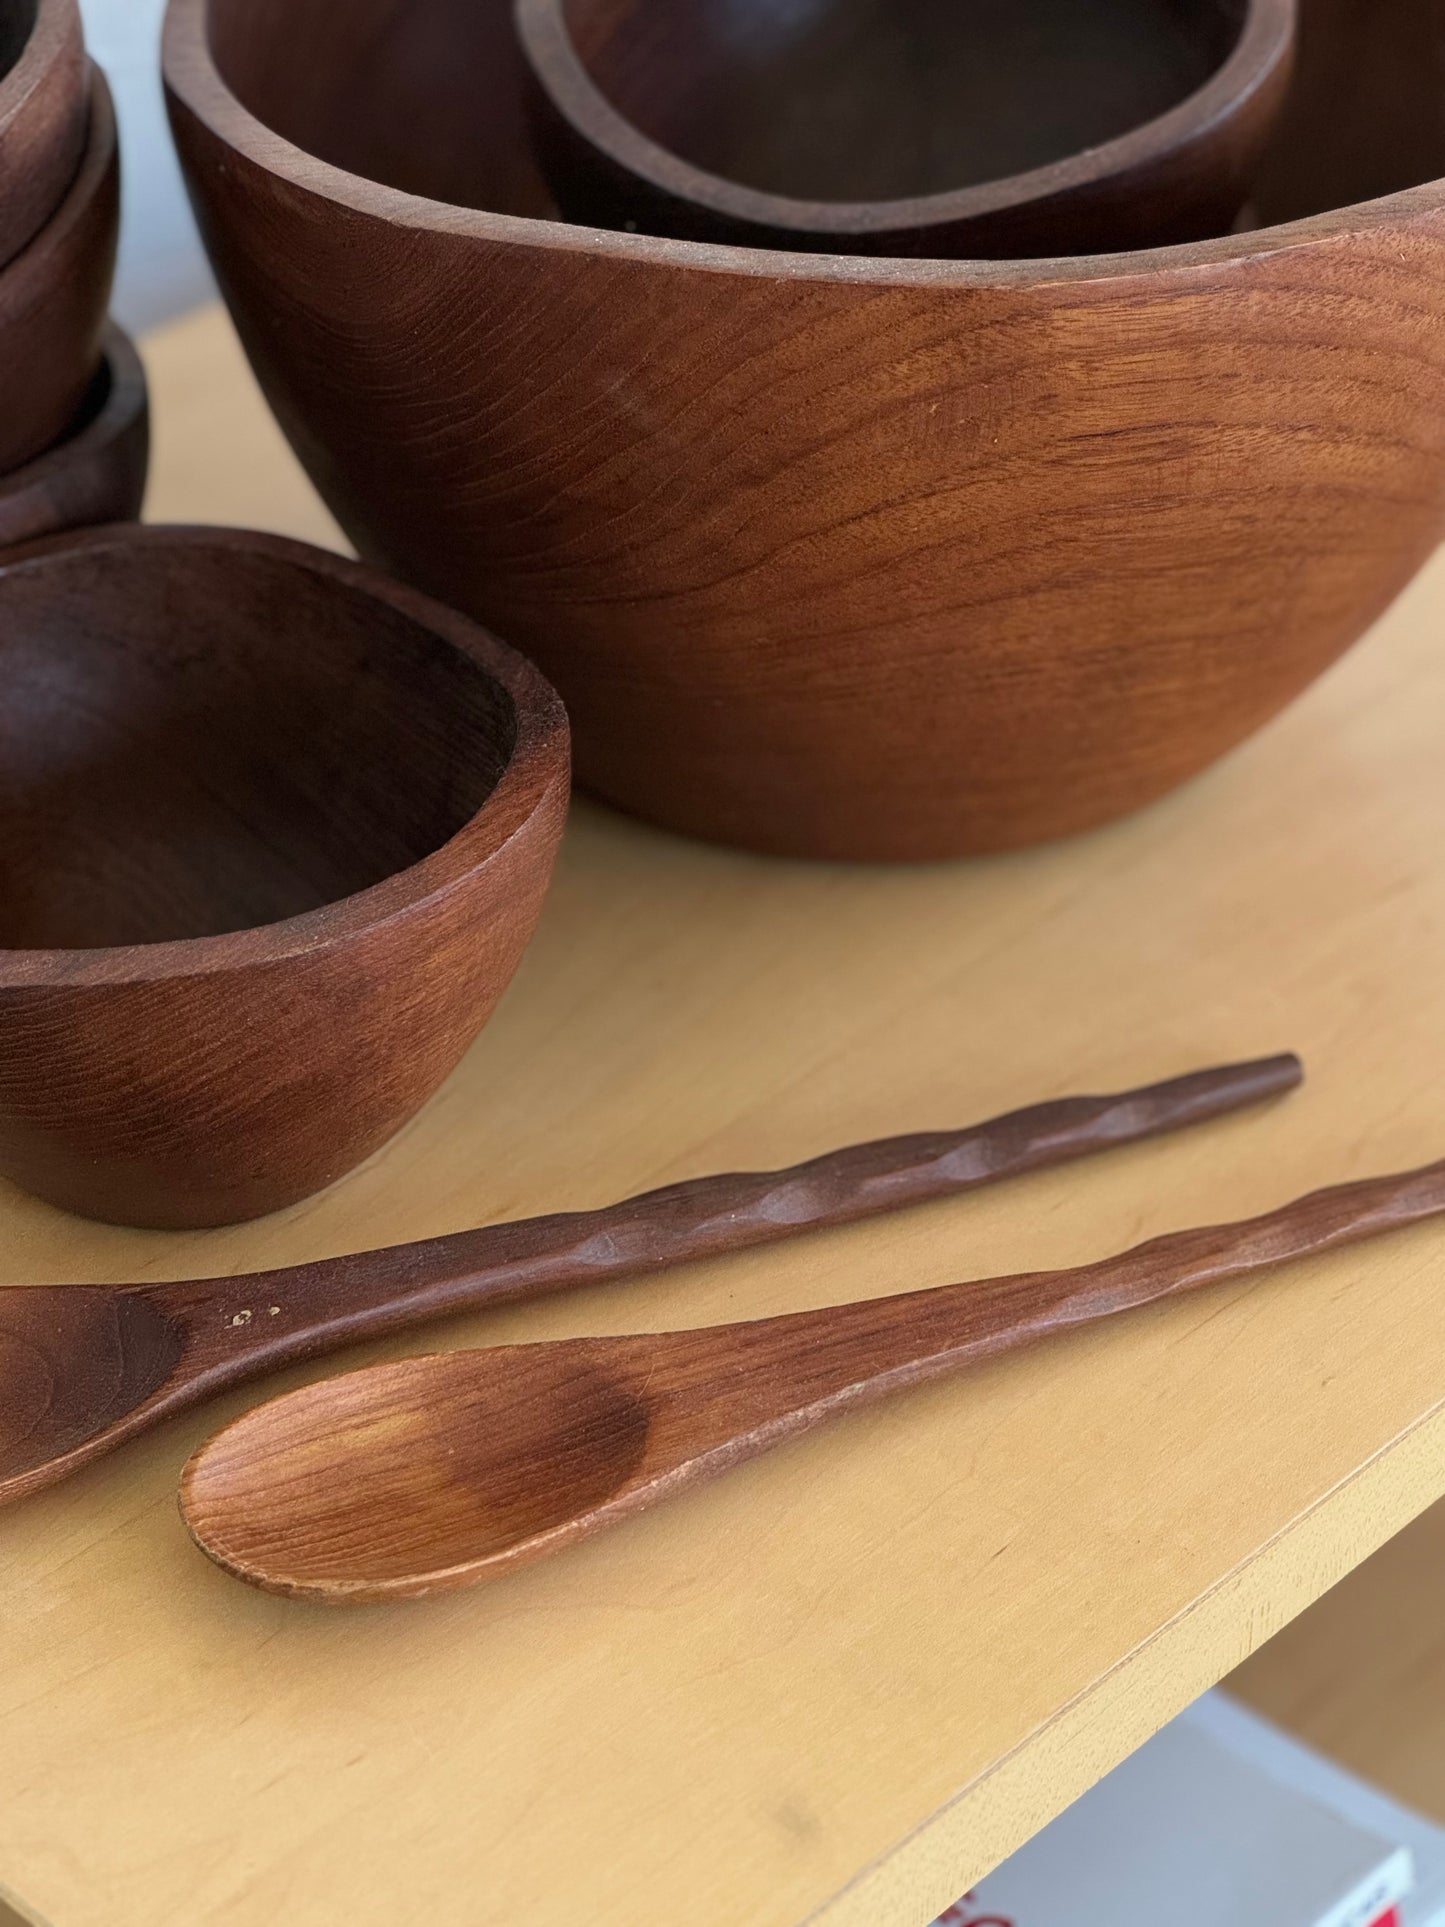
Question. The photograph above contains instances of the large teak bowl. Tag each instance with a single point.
(922, 127)
(274, 834)
(850, 557)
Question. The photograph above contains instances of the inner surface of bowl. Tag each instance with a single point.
(838, 100)
(17, 23)
(197, 742)
(429, 96)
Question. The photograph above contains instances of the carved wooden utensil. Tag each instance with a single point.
(54, 295)
(1014, 127)
(275, 832)
(96, 472)
(83, 1368)
(44, 109)
(438, 1472)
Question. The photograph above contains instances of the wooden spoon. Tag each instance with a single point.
(83, 1367)
(434, 1473)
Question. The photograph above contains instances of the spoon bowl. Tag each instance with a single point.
(465, 1499)
(120, 1349)
(907, 127)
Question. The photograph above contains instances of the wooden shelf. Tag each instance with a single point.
(1361, 1675)
(842, 1683)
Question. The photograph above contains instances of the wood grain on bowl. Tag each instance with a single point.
(274, 834)
(44, 114)
(1008, 127)
(858, 558)
(54, 295)
(96, 472)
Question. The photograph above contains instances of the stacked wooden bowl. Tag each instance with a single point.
(891, 127)
(853, 554)
(72, 404)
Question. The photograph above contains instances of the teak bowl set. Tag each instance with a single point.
(921, 450)
(852, 555)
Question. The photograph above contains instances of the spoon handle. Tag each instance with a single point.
(269, 1317)
(872, 1346)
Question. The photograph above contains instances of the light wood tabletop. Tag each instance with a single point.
(841, 1683)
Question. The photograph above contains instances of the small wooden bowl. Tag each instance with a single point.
(54, 296)
(274, 834)
(44, 114)
(866, 126)
(96, 472)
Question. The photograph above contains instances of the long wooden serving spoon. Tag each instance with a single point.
(438, 1472)
(84, 1367)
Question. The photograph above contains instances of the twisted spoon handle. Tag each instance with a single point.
(1342, 1214)
(305, 1309)
(871, 1346)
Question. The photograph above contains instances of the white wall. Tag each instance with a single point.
(162, 267)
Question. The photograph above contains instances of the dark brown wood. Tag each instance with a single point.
(53, 299)
(96, 472)
(274, 834)
(885, 559)
(87, 1367)
(44, 114)
(434, 1473)
(1366, 116)
(1008, 127)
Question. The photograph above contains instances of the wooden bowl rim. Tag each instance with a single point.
(56, 22)
(32, 271)
(539, 762)
(1265, 42)
(126, 404)
(194, 80)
